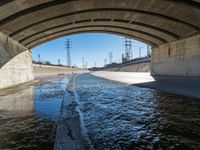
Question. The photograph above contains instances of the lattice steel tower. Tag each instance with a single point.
(110, 57)
(128, 49)
(68, 56)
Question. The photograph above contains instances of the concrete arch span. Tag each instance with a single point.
(23, 18)
(164, 24)
(132, 33)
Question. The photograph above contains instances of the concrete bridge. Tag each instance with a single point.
(171, 27)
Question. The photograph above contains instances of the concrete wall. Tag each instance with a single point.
(140, 67)
(18, 70)
(15, 62)
(180, 58)
(43, 70)
(9, 48)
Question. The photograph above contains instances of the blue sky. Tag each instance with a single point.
(94, 47)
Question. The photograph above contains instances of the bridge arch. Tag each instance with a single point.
(155, 22)
(152, 20)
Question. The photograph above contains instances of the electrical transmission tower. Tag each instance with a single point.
(128, 49)
(68, 56)
(110, 57)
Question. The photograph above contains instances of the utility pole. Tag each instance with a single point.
(148, 51)
(83, 62)
(110, 57)
(128, 49)
(86, 64)
(140, 52)
(105, 62)
(68, 56)
(59, 62)
(39, 58)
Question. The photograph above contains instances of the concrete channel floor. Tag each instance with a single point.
(176, 85)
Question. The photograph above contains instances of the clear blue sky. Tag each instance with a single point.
(94, 47)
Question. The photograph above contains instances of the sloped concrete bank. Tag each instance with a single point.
(138, 67)
(170, 84)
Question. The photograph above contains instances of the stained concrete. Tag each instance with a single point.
(18, 70)
(70, 134)
(9, 48)
(155, 22)
(180, 58)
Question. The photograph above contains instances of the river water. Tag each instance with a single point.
(119, 116)
(28, 115)
(115, 116)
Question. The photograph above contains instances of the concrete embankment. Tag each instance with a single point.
(48, 70)
(177, 85)
(139, 67)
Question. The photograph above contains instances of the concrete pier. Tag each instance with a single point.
(180, 58)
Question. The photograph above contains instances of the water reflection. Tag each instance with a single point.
(17, 103)
(28, 115)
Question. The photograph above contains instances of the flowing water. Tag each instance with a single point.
(115, 116)
(28, 115)
(119, 116)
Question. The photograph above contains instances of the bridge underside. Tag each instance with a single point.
(155, 22)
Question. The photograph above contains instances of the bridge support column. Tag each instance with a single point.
(15, 63)
(179, 58)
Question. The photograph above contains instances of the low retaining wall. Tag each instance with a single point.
(140, 67)
(42, 70)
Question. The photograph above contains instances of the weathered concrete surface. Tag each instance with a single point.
(69, 134)
(9, 48)
(180, 58)
(176, 85)
(152, 21)
(18, 70)
(155, 22)
(46, 70)
(140, 67)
